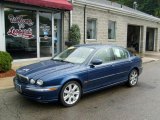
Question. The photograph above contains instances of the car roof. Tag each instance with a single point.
(97, 46)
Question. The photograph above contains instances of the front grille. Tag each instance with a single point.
(22, 79)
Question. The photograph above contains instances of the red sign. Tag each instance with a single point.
(21, 32)
(24, 33)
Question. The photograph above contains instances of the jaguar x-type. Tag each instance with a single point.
(78, 70)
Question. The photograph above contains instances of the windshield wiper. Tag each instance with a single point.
(60, 60)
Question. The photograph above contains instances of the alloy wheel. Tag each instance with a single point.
(133, 78)
(70, 94)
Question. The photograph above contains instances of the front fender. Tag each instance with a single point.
(71, 77)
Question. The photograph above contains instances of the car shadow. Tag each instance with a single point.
(104, 91)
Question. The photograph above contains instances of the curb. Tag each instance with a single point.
(5, 88)
(150, 61)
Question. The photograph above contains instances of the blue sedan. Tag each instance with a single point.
(78, 70)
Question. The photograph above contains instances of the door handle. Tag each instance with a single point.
(112, 65)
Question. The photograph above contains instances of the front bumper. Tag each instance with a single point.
(40, 94)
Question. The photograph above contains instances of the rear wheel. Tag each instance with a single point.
(133, 78)
(70, 93)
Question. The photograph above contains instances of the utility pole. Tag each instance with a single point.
(135, 5)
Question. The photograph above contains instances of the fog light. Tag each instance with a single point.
(32, 81)
(39, 82)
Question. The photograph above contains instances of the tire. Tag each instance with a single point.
(133, 78)
(70, 94)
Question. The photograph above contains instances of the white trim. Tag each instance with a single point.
(116, 10)
(140, 38)
(92, 40)
(71, 15)
(31, 59)
(1, 33)
(38, 38)
(2, 30)
(58, 34)
(53, 34)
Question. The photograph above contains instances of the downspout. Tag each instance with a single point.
(70, 16)
(85, 24)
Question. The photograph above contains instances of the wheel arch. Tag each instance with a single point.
(72, 78)
(135, 68)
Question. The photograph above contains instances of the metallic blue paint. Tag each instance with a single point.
(55, 74)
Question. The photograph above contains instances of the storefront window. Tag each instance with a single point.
(20, 33)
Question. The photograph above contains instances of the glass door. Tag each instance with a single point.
(45, 33)
(57, 32)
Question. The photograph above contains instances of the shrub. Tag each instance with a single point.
(74, 35)
(5, 61)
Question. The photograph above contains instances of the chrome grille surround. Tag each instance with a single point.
(22, 79)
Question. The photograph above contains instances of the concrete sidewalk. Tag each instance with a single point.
(148, 59)
(6, 83)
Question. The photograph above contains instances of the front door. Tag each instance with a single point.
(99, 75)
(45, 26)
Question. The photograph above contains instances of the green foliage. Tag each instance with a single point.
(5, 61)
(74, 35)
(151, 7)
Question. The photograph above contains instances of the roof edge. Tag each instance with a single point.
(117, 10)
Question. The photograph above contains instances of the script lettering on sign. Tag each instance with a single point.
(21, 31)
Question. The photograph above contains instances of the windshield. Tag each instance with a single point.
(74, 54)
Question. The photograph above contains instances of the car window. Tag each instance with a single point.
(104, 54)
(75, 54)
(120, 53)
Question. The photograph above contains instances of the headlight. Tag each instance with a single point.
(39, 82)
(32, 81)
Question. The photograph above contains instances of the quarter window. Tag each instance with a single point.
(91, 28)
(120, 53)
(111, 30)
(104, 55)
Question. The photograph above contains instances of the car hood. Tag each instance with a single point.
(41, 69)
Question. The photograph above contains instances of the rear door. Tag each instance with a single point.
(121, 65)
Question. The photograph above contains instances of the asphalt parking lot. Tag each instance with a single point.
(117, 103)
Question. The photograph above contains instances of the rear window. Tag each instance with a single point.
(120, 53)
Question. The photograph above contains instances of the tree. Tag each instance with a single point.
(74, 35)
(151, 7)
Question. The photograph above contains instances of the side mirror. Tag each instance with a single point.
(96, 62)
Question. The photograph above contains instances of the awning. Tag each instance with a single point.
(59, 4)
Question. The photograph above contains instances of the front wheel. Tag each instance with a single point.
(70, 93)
(133, 78)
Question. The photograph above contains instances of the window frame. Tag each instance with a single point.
(115, 29)
(92, 19)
